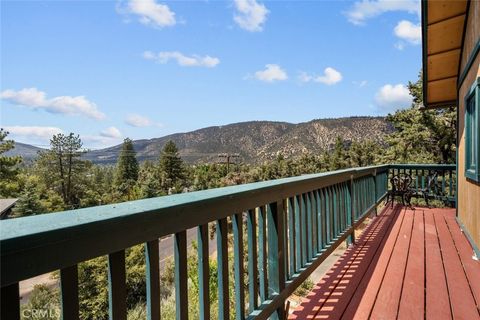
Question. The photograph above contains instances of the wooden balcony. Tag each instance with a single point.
(408, 264)
(291, 226)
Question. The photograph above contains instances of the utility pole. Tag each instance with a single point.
(227, 158)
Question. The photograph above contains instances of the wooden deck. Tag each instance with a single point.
(408, 264)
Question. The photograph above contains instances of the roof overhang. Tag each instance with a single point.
(443, 28)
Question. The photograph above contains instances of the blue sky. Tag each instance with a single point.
(147, 68)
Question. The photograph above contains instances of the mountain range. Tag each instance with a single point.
(253, 141)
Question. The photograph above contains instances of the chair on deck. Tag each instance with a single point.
(401, 186)
(432, 189)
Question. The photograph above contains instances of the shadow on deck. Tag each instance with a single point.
(408, 264)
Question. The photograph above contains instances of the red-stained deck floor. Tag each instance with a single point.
(408, 264)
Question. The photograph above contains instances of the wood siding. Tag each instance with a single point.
(468, 191)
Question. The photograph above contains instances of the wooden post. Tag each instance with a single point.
(276, 256)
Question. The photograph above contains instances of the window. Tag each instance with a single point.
(472, 132)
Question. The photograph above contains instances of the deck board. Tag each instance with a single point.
(408, 264)
(437, 301)
(411, 305)
(388, 298)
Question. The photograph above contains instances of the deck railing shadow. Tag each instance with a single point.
(340, 287)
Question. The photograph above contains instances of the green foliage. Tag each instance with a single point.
(62, 169)
(93, 283)
(126, 173)
(304, 288)
(149, 181)
(43, 304)
(171, 168)
(29, 202)
(139, 312)
(8, 166)
(421, 136)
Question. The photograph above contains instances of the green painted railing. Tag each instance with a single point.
(444, 185)
(292, 225)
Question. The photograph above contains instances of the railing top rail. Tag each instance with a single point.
(43, 243)
(423, 166)
(20, 227)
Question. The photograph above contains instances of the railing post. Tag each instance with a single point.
(181, 276)
(351, 190)
(10, 302)
(276, 253)
(69, 292)
(203, 272)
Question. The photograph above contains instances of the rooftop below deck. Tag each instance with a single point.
(408, 264)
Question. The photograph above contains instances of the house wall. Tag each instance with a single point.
(468, 191)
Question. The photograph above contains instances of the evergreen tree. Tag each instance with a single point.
(365, 153)
(8, 165)
(126, 172)
(339, 158)
(171, 168)
(29, 202)
(62, 168)
(421, 136)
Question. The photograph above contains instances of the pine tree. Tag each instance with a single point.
(126, 172)
(339, 158)
(8, 165)
(62, 168)
(421, 136)
(28, 202)
(171, 167)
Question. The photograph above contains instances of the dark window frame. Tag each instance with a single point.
(472, 135)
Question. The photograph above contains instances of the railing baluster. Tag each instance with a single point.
(313, 202)
(319, 221)
(443, 183)
(117, 293)
(285, 238)
(203, 272)
(262, 257)
(303, 215)
(252, 261)
(10, 302)
(238, 266)
(309, 225)
(451, 182)
(181, 275)
(298, 233)
(276, 253)
(291, 236)
(222, 257)
(69, 292)
(327, 216)
(351, 198)
(153, 279)
(335, 212)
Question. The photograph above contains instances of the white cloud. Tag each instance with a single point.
(366, 9)
(272, 72)
(33, 132)
(181, 59)
(111, 132)
(392, 97)
(409, 32)
(251, 15)
(330, 77)
(36, 99)
(151, 13)
(136, 120)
